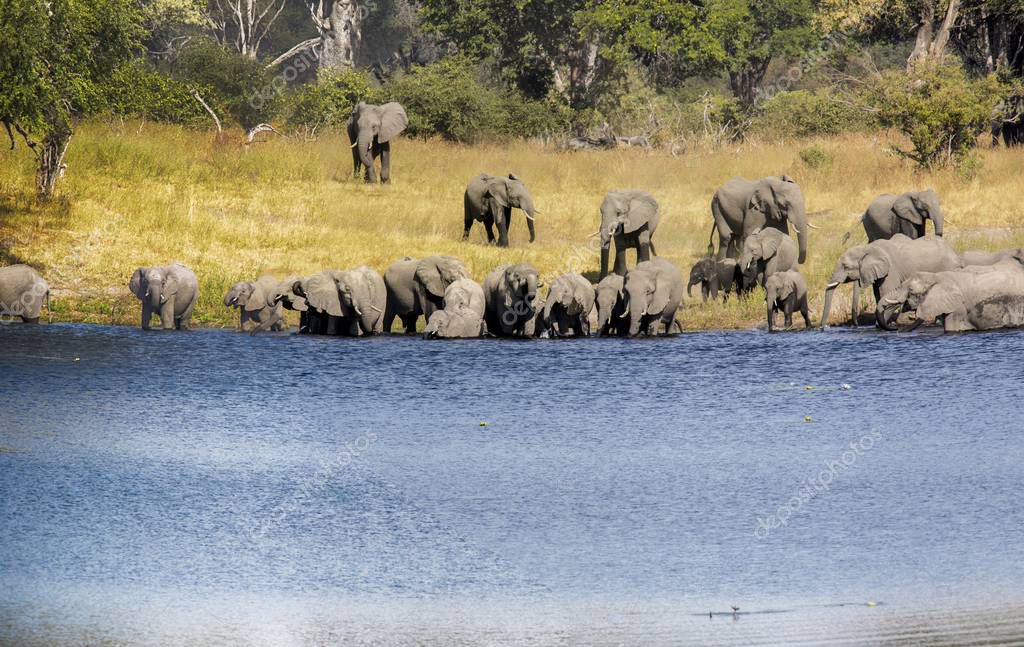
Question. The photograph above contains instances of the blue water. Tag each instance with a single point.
(211, 487)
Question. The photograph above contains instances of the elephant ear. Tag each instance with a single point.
(786, 288)
(944, 298)
(661, 295)
(135, 284)
(429, 277)
(258, 298)
(171, 284)
(322, 294)
(641, 210)
(905, 209)
(393, 121)
(769, 245)
(497, 188)
(873, 268)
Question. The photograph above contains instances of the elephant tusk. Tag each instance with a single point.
(354, 144)
(376, 308)
(833, 285)
(813, 226)
(596, 233)
(529, 217)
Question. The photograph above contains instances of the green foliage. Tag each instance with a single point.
(136, 90)
(816, 157)
(939, 108)
(803, 113)
(329, 101)
(242, 89)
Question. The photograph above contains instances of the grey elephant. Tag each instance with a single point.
(978, 257)
(490, 199)
(513, 305)
(975, 298)
(370, 131)
(767, 252)
(168, 291)
(362, 297)
(611, 307)
(567, 306)
(252, 300)
(316, 298)
(883, 264)
(463, 313)
(653, 290)
(284, 295)
(23, 292)
(416, 288)
(905, 214)
(741, 207)
(786, 291)
(714, 276)
(630, 217)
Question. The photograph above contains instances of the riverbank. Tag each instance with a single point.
(140, 194)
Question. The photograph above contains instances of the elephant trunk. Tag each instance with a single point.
(829, 291)
(604, 316)
(799, 218)
(889, 307)
(604, 260)
(636, 310)
(365, 144)
(694, 280)
(529, 223)
(769, 299)
(531, 289)
(155, 298)
(937, 220)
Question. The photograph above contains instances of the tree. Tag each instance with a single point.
(55, 53)
(339, 36)
(242, 24)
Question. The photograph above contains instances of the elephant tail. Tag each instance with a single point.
(849, 232)
(49, 313)
(711, 240)
(654, 252)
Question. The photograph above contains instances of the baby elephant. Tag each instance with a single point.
(567, 306)
(170, 292)
(786, 291)
(463, 313)
(611, 307)
(252, 298)
(22, 294)
(714, 276)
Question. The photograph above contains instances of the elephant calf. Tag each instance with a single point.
(567, 306)
(417, 287)
(786, 291)
(767, 252)
(611, 307)
(22, 294)
(170, 292)
(653, 291)
(252, 298)
(463, 313)
(510, 292)
(713, 276)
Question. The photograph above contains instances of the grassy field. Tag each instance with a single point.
(142, 194)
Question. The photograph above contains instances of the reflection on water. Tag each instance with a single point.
(212, 487)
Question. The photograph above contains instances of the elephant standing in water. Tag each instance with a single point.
(884, 264)
(567, 306)
(490, 199)
(630, 217)
(463, 313)
(611, 307)
(417, 287)
(786, 291)
(653, 291)
(362, 297)
(510, 292)
(888, 215)
(22, 294)
(316, 298)
(713, 276)
(170, 292)
(975, 298)
(370, 131)
(742, 207)
(252, 300)
(767, 252)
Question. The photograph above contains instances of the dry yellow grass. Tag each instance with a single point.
(148, 194)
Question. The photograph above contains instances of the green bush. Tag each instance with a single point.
(801, 113)
(940, 109)
(329, 101)
(138, 91)
(815, 157)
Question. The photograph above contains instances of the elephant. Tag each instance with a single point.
(567, 306)
(490, 199)
(370, 131)
(611, 307)
(975, 298)
(653, 290)
(741, 207)
(510, 292)
(284, 295)
(168, 291)
(23, 292)
(767, 252)
(251, 299)
(362, 297)
(417, 287)
(463, 314)
(630, 217)
(978, 257)
(903, 214)
(316, 298)
(883, 264)
(786, 291)
(716, 275)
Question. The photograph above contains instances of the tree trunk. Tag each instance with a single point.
(933, 37)
(51, 156)
(746, 84)
(342, 35)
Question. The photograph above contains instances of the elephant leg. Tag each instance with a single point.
(724, 231)
(468, 218)
(855, 306)
(787, 311)
(356, 161)
(489, 226)
(502, 222)
(705, 291)
(243, 318)
(167, 314)
(354, 329)
(389, 316)
(805, 312)
(620, 255)
(385, 163)
(147, 315)
(409, 323)
(771, 317)
(184, 322)
(643, 250)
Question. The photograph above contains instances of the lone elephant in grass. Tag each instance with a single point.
(362, 297)
(510, 292)
(370, 131)
(905, 214)
(169, 291)
(742, 207)
(490, 199)
(252, 298)
(786, 291)
(463, 313)
(767, 252)
(630, 218)
(653, 291)
(23, 292)
(567, 306)
(417, 288)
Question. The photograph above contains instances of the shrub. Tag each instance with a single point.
(939, 108)
(801, 113)
(329, 101)
(815, 157)
(136, 90)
